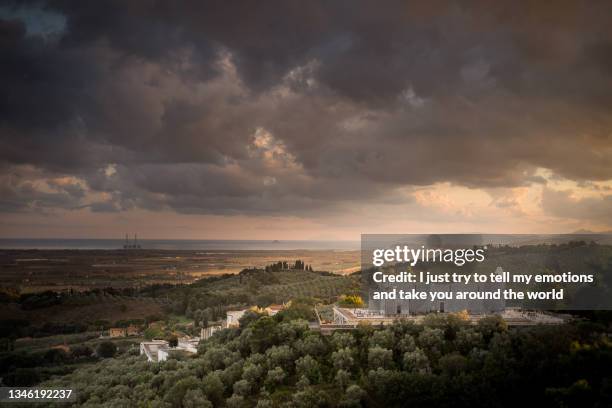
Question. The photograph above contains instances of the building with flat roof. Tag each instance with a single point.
(188, 344)
(160, 350)
(151, 349)
(232, 318)
(346, 318)
(354, 316)
(273, 309)
(207, 332)
(117, 332)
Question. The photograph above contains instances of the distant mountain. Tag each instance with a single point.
(589, 232)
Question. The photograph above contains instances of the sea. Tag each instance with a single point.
(179, 244)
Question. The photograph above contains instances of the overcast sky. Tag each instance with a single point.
(303, 120)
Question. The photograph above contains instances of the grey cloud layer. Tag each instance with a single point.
(294, 107)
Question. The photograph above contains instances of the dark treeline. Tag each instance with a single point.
(12, 329)
(15, 328)
(39, 300)
(23, 368)
(284, 265)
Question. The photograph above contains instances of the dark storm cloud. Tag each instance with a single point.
(21, 190)
(294, 107)
(562, 204)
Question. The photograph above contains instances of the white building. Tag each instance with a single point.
(159, 350)
(151, 348)
(352, 317)
(188, 344)
(207, 332)
(274, 309)
(162, 353)
(515, 316)
(233, 318)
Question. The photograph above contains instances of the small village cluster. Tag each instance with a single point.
(160, 350)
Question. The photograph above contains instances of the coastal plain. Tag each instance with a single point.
(60, 270)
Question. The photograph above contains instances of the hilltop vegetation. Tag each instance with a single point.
(271, 361)
(208, 299)
(70, 311)
(39, 331)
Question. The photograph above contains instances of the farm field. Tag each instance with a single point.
(110, 308)
(60, 270)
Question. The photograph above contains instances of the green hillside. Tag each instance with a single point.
(444, 363)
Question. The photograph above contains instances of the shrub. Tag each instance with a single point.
(106, 349)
